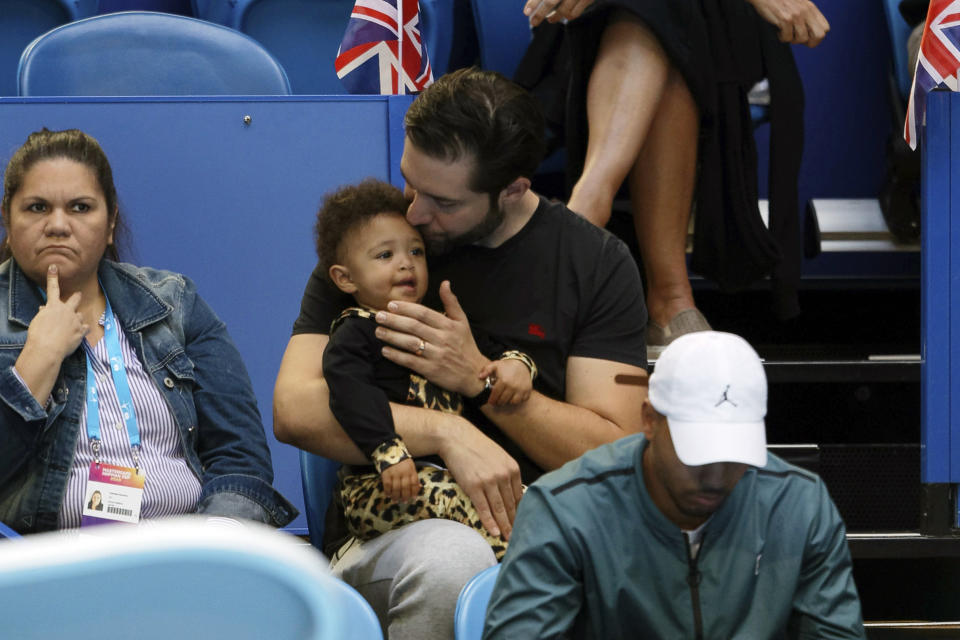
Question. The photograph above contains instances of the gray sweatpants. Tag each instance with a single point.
(413, 575)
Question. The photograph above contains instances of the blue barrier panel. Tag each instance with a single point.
(231, 203)
(938, 278)
(950, 205)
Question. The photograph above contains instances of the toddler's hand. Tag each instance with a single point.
(400, 481)
(513, 384)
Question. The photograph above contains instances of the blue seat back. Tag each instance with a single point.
(472, 604)
(437, 27)
(177, 579)
(143, 53)
(305, 35)
(364, 624)
(319, 477)
(182, 7)
(22, 21)
(899, 32)
(503, 34)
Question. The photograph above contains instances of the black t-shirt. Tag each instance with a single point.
(560, 287)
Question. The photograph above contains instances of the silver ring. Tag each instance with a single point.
(420, 348)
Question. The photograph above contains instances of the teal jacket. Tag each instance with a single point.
(591, 556)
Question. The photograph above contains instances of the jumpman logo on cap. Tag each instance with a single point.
(725, 398)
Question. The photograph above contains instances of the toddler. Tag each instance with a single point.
(371, 252)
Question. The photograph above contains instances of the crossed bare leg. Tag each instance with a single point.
(643, 128)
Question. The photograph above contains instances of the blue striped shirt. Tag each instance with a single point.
(170, 487)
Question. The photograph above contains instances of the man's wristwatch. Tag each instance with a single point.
(481, 398)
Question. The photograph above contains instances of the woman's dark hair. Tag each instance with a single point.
(480, 114)
(348, 208)
(72, 144)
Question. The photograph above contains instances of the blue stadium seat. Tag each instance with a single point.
(142, 53)
(305, 34)
(182, 7)
(177, 579)
(503, 34)
(899, 33)
(319, 477)
(24, 20)
(363, 623)
(437, 27)
(472, 604)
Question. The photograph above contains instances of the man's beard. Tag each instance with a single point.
(441, 244)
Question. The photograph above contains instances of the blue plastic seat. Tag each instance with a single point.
(182, 7)
(305, 35)
(319, 477)
(177, 579)
(437, 27)
(143, 53)
(472, 604)
(503, 34)
(24, 20)
(899, 33)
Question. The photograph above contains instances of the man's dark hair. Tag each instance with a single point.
(478, 113)
(348, 208)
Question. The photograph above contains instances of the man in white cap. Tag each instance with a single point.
(689, 530)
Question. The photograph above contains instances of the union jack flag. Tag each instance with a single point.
(382, 51)
(937, 62)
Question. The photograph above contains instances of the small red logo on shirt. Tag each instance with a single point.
(536, 330)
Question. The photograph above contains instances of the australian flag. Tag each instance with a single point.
(382, 51)
(937, 62)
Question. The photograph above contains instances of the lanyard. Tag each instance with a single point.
(119, 373)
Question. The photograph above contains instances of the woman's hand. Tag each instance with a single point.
(799, 21)
(54, 333)
(554, 10)
(58, 327)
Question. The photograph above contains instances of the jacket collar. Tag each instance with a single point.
(24, 297)
(133, 301)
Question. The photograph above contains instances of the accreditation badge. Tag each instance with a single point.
(113, 494)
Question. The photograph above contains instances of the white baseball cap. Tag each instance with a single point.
(712, 388)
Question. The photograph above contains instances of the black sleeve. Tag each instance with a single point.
(615, 322)
(360, 406)
(489, 347)
(321, 304)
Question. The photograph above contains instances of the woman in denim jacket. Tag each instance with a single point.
(196, 433)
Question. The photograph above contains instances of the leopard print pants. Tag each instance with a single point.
(369, 512)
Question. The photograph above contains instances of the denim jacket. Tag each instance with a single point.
(195, 365)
